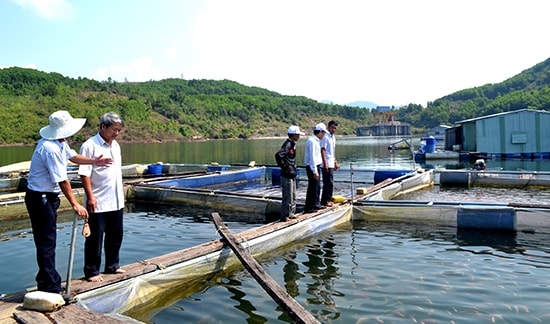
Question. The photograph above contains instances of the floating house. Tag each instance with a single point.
(438, 132)
(384, 124)
(516, 134)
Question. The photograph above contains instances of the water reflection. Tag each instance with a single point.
(504, 241)
(243, 304)
(321, 266)
(364, 152)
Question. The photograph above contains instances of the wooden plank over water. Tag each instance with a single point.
(68, 314)
(12, 311)
(296, 312)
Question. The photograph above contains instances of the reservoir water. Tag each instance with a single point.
(364, 272)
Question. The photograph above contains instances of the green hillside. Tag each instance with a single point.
(527, 90)
(177, 109)
(166, 110)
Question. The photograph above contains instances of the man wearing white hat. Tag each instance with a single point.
(313, 161)
(47, 179)
(286, 160)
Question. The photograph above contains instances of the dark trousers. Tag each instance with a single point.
(313, 190)
(288, 204)
(328, 186)
(108, 225)
(42, 208)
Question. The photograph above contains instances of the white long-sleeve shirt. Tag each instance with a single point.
(329, 144)
(312, 157)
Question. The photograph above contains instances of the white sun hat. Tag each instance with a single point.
(62, 125)
(295, 130)
(320, 127)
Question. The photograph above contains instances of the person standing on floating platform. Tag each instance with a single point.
(313, 161)
(104, 199)
(286, 160)
(330, 164)
(47, 179)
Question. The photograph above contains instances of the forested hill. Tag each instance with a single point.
(528, 90)
(177, 109)
(166, 110)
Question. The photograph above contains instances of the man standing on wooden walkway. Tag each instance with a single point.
(47, 179)
(313, 161)
(286, 160)
(104, 199)
(330, 164)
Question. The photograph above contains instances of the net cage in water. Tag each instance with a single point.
(143, 296)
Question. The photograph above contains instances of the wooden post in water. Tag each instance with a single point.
(296, 312)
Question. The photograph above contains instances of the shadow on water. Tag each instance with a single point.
(505, 241)
(311, 271)
(233, 283)
(465, 239)
(316, 263)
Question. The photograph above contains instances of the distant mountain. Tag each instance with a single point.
(360, 104)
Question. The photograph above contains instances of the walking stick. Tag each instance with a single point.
(71, 256)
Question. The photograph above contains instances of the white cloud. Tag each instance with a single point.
(390, 52)
(140, 69)
(171, 53)
(28, 66)
(49, 9)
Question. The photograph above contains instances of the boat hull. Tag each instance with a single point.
(12, 206)
(506, 179)
(195, 266)
(409, 182)
(481, 216)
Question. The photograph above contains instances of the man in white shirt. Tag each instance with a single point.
(330, 164)
(47, 179)
(104, 199)
(313, 160)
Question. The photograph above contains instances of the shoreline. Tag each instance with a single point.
(170, 141)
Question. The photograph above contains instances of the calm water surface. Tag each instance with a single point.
(388, 273)
(364, 152)
(362, 273)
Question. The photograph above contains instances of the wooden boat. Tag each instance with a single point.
(12, 205)
(494, 178)
(196, 264)
(13, 176)
(11, 183)
(212, 179)
(485, 216)
(16, 167)
(202, 191)
(404, 184)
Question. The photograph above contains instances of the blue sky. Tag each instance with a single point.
(390, 52)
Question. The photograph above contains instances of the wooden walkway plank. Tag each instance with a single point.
(296, 312)
(73, 314)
